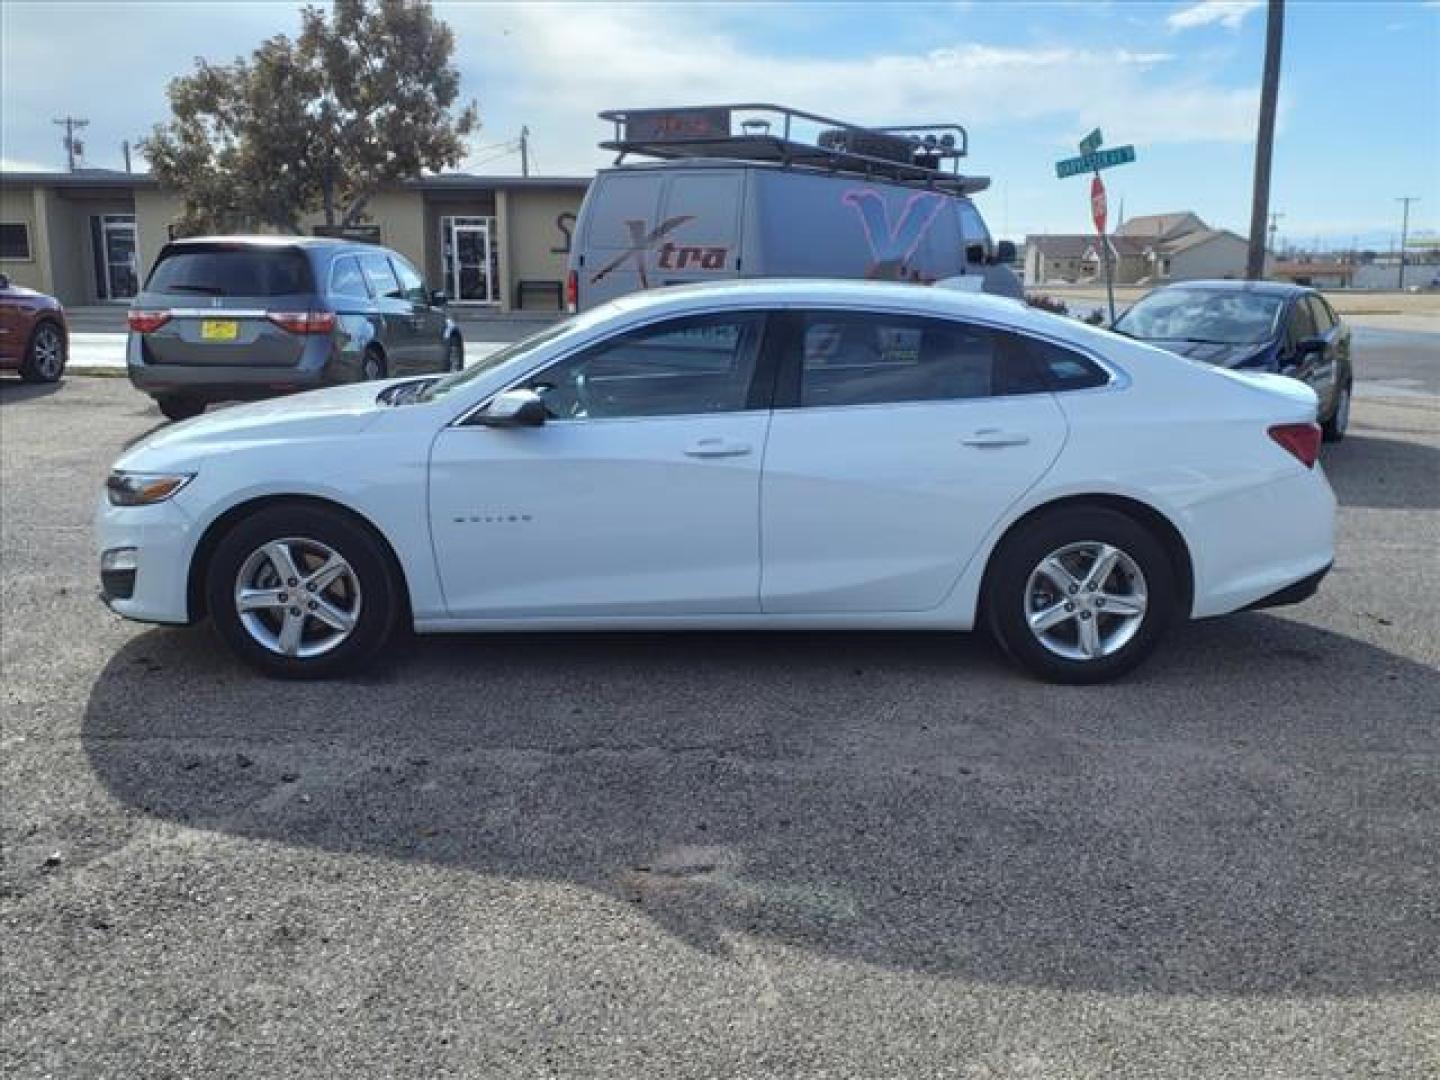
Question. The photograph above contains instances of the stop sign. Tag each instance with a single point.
(1097, 203)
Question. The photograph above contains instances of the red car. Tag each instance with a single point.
(34, 338)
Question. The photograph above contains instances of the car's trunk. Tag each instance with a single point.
(219, 297)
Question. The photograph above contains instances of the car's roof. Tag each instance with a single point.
(270, 241)
(1264, 288)
(838, 292)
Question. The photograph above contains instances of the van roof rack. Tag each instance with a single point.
(923, 155)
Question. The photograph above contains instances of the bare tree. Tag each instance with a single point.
(1265, 139)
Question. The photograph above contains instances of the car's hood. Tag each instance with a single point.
(1207, 352)
(335, 411)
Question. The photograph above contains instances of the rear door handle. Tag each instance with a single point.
(717, 448)
(995, 437)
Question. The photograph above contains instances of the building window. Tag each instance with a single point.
(15, 241)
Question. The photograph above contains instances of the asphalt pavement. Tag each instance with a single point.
(706, 855)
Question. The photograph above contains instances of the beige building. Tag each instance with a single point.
(492, 242)
(1154, 249)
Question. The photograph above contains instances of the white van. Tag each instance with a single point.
(720, 205)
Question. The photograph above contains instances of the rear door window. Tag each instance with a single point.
(347, 281)
(381, 278)
(871, 359)
(231, 271)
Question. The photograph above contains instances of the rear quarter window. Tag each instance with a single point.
(1061, 368)
(231, 272)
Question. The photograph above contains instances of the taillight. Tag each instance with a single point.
(1302, 440)
(143, 322)
(572, 291)
(303, 322)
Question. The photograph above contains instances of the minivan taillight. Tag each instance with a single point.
(572, 291)
(143, 322)
(1302, 440)
(303, 322)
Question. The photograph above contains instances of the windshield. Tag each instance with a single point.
(451, 382)
(1223, 317)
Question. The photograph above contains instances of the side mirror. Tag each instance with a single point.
(1310, 346)
(513, 408)
(4, 281)
(1005, 252)
(975, 253)
(438, 298)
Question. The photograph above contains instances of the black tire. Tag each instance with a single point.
(372, 365)
(45, 354)
(380, 598)
(1006, 602)
(179, 407)
(455, 354)
(1333, 430)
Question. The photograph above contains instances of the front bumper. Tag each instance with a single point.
(163, 537)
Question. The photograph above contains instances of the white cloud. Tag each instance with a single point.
(1228, 13)
(555, 67)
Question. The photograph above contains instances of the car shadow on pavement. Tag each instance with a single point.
(14, 390)
(1383, 473)
(1240, 817)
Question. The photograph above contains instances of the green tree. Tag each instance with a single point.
(364, 98)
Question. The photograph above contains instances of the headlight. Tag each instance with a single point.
(142, 489)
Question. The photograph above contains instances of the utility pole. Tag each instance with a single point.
(125, 148)
(72, 124)
(524, 151)
(1265, 139)
(1404, 231)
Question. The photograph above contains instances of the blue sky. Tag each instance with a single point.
(1360, 89)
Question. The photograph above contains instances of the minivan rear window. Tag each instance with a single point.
(232, 271)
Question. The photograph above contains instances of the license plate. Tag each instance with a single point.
(219, 330)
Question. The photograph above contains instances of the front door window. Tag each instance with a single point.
(117, 271)
(471, 260)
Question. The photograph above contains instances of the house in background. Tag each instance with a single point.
(1317, 273)
(1153, 249)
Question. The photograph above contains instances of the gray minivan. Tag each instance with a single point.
(246, 317)
(734, 196)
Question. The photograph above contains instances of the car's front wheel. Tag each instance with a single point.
(1080, 595)
(178, 407)
(1334, 428)
(302, 591)
(44, 355)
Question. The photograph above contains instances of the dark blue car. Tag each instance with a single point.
(1256, 326)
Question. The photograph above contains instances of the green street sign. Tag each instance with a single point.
(1101, 159)
(1090, 143)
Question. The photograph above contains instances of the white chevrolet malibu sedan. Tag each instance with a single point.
(771, 454)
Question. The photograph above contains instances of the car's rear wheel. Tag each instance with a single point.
(372, 365)
(44, 355)
(455, 354)
(179, 407)
(1334, 429)
(302, 592)
(1081, 595)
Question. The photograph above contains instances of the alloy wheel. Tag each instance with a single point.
(1085, 601)
(297, 597)
(49, 355)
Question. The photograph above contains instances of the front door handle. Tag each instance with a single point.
(717, 448)
(995, 437)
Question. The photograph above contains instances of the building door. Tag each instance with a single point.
(117, 270)
(467, 245)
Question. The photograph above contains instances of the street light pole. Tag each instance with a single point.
(1405, 200)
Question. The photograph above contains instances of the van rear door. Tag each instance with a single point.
(654, 227)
